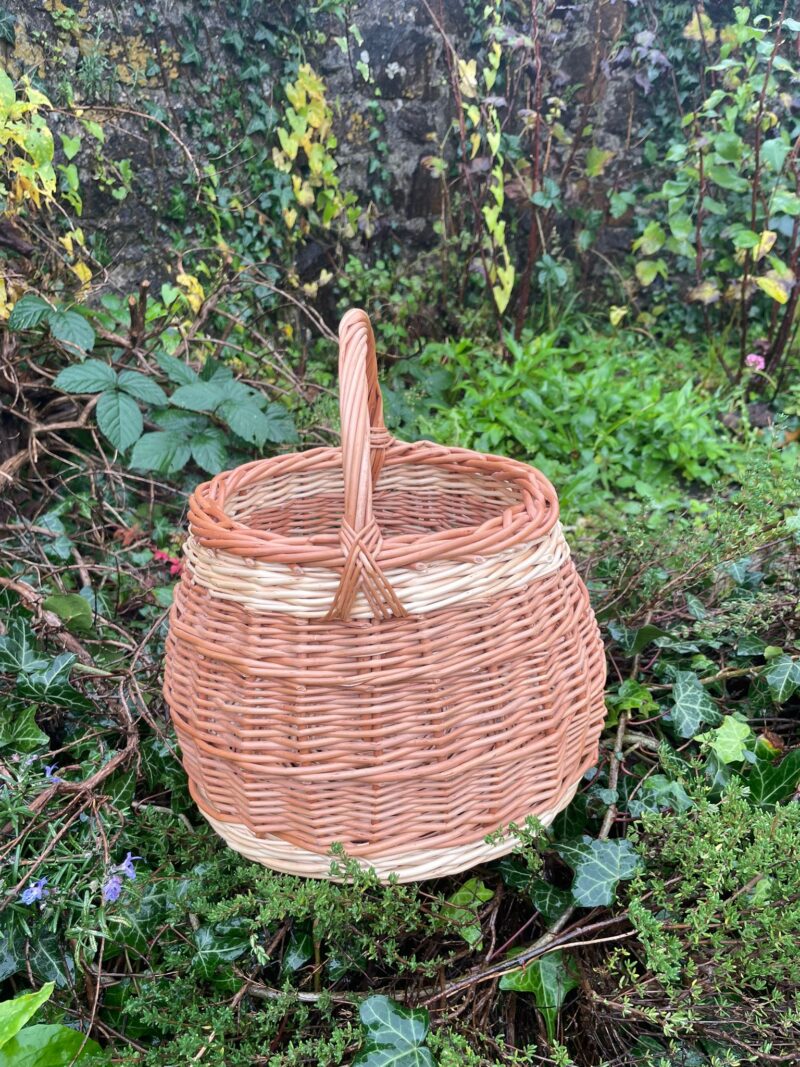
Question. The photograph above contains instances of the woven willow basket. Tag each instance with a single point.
(385, 645)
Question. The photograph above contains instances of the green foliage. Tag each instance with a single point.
(40, 1045)
(596, 418)
(394, 1036)
(549, 980)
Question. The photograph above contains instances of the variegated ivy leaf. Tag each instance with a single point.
(394, 1035)
(783, 678)
(461, 910)
(599, 868)
(549, 980)
(692, 706)
(769, 784)
(728, 741)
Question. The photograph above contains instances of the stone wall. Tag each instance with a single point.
(154, 59)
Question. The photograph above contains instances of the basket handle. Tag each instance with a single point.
(364, 443)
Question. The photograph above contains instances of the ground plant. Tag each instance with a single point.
(617, 308)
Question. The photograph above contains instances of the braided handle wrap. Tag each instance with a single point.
(364, 441)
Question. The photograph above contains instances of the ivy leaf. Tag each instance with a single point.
(549, 900)
(218, 944)
(209, 451)
(15, 1013)
(48, 962)
(770, 785)
(394, 1035)
(461, 909)
(71, 608)
(659, 793)
(120, 419)
(50, 1046)
(728, 741)
(28, 312)
(141, 387)
(50, 685)
(299, 952)
(692, 705)
(165, 451)
(91, 376)
(72, 330)
(783, 678)
(19, 730)
(18, 650)
(599, 867)
(549, 981)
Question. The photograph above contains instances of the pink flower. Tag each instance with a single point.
(755, 360)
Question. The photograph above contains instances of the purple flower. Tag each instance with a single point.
(755, 360)
(34, 892)
(127, 868)
(48, 773)
(112, 889)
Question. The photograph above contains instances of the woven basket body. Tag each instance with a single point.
(385, 645)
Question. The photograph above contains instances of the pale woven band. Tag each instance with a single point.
(309, 591)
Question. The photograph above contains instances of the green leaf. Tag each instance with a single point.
(91, 376)
(209, 451)
(596, 159)
(549, 900)
(461, 909)
(549, 980)
(728, 741)
(48, 962)
(647, 270)
(692, 706)
(247, 421)
(659, 793)
(70, 145)
(72, 330)
(220, 943)
(651, 240)
(175, 369)
(726, 178)
(394, 1035)
(783, 678)
(18, 650)
(165, 451)
(281, 427)
(18, 729)
(50, 685)
(141, 387)
(774, 153)
(299, 951)
(770, 785)
(599, 867)
(71, 608)
(28, 312)
(15, 1013)
(200, 396)
(728, 146)
(120, 419)
(50, 1046)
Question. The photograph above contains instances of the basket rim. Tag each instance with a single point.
(529, 520)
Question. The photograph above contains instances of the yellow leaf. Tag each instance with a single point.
(475, 143)
(289, 217)
(773, 288)
(699, 28)
(193, 291)
(616, 314)
(66, 241)
(303, 192)
(468, 77)
(765, 243)
(706, 292)
(82, 272)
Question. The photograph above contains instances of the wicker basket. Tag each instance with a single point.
(384, 645)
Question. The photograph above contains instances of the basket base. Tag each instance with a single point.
(416, 866)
